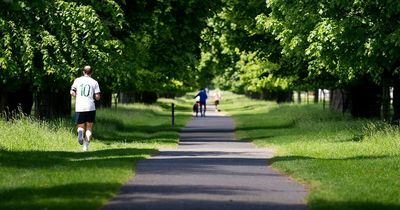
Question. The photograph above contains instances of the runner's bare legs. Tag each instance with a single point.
(89, 127)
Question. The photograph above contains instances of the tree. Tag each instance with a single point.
(243, 57)
(346, 40)
(45, 44)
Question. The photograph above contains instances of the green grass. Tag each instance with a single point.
(347, 163)
(42, 166)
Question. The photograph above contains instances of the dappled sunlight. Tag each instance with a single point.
(135, 124)
(341, 158)
(43, 166)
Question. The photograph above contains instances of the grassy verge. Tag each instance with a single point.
(42, 166)
(348, 163)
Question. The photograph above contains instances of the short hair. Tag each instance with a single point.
(88, 70)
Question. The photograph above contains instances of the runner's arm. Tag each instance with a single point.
(73, 89)
(97, 96)
(73, 92)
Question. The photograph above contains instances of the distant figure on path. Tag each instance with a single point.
(217, 98)
(196, 106)
(203, 98)
(86, 90)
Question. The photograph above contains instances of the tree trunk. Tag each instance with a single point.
(396, 100)
(127, 97)
(308, 99)
(365, 99)
(53, 104)
(316, 96)
(299, 97)
(14, 102)
(338, 100)
(385, 101)
(149, 97)
(283, 96)
(105, 101)
(116, 99)
(345, 100)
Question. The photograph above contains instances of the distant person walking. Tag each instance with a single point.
(203, 98)
(217, 98)
(196, 106)
(86, 90)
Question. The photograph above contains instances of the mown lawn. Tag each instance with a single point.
(42, 166)
(347, 163)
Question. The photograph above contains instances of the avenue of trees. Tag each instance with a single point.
(144, 49)
(269, 47)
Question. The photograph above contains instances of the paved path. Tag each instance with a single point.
(210, 170)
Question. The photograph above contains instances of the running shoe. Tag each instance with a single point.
(80, 137)
(85, 146)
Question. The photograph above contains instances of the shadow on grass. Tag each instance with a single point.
(120, 125)
(345, 178)
(135, 125)
(285, 117)
(264, 121)
(116, 130)
(68, 196)
(257, 137)
(361, 205)
(168, 107)
(60, 187)
(58, 190)
(102, 158)
(299, 158)
(261, 127)
(157, 138)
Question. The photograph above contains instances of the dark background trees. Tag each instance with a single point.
(350, 47)
(144, 49)
(149, 48)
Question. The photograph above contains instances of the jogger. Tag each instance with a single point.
(86, 90)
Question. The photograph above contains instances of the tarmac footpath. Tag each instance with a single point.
(210, 170)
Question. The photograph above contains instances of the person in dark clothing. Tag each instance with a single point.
(203, 98)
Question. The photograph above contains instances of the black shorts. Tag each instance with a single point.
(216, 102)
(84, 117)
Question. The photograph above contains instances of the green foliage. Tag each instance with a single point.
(52, 40)
(163, 43)
(341, 39)
(174, 45)
(255, 75)
(238, 52)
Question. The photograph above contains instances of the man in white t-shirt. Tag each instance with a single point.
(86, 90)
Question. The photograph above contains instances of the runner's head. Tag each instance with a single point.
(87, 70)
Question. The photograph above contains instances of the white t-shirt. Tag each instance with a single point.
(86, 88)
(217, 96)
